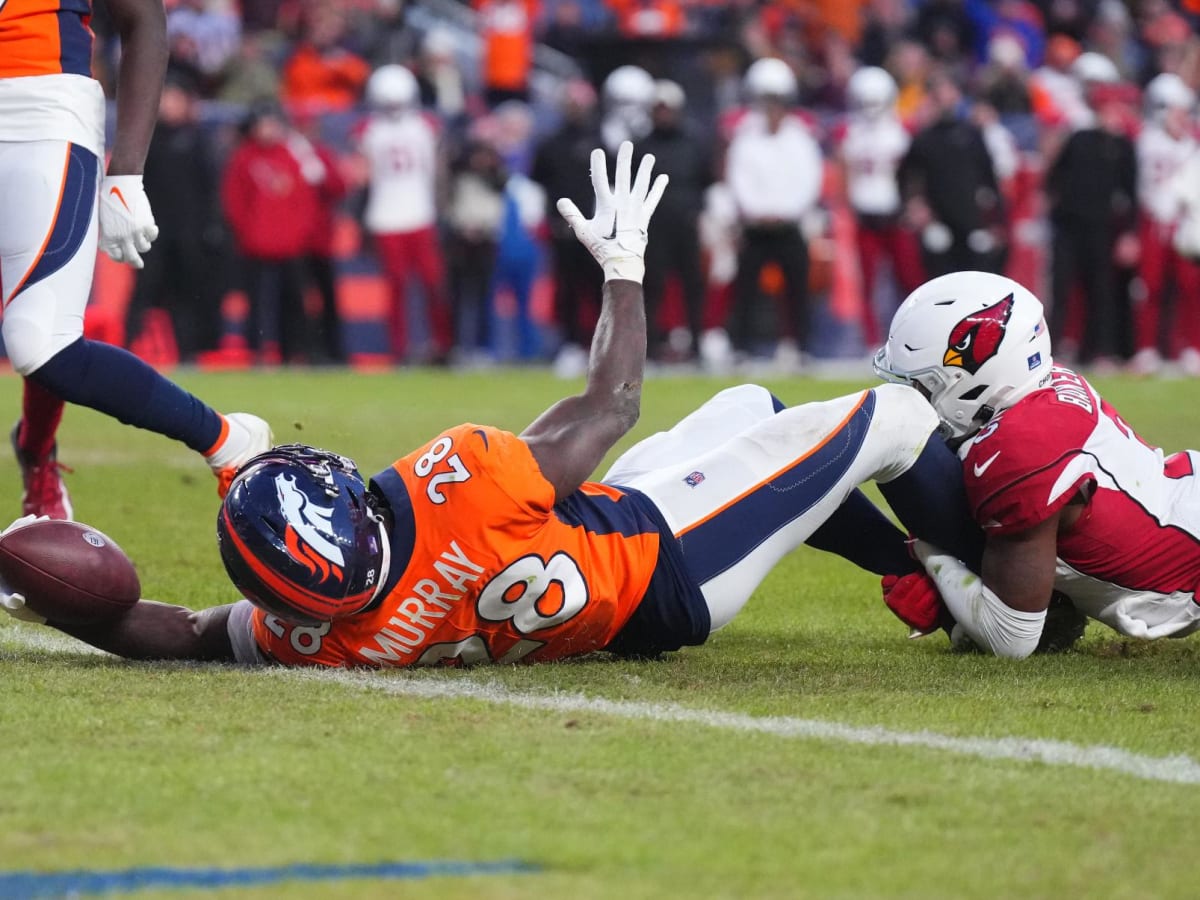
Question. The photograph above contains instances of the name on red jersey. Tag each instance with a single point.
(1070, 388)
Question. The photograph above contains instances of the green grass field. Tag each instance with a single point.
(808, 750)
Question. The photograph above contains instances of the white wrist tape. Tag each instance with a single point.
(625, 268)
(986, 619)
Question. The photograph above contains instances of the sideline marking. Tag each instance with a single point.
(1178, 769)
(37, 637)
(82, 881)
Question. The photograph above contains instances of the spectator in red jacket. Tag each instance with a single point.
(271, 210)
(320, 168)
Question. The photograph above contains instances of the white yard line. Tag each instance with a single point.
(1180, 769)
(37, 638)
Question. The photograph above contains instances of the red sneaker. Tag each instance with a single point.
(45, 492)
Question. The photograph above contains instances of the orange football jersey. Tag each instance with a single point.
(45, 37)
(486, 567)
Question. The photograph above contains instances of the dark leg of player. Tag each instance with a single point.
(859, 532)
(115, 382)
(932, 503)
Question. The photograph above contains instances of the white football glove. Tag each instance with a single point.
(616, 234)
(21, 523)
(13, 603)
(127, 225)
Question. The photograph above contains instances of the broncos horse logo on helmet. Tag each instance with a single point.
(975, 339)
(300, 535)
(970, 354)
(307, 526)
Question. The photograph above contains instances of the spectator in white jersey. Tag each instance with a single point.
(1165, 144)
(774, 169)
(1186, 187)
(871, 145)
(400, 144)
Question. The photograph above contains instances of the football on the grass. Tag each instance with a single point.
(68, 572)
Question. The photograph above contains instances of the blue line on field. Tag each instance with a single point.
(30, 885)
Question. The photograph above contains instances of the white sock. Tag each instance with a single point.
(247, 436)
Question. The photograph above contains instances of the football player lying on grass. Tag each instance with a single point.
(1069, 497)
(482, 545)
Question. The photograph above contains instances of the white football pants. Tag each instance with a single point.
(741, 486)
(48, 238)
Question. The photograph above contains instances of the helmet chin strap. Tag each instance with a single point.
(387, 558)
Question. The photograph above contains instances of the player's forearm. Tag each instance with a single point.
(151, 630)
(986, 619)
(570, 438)
(618, 358)
(142, 26)
(612, 400)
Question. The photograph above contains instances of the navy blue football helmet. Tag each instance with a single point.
(300, 536)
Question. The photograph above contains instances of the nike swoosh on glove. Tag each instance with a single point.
(915, 600)
(127, 225)
(617, 234)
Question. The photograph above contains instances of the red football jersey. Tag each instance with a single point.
(1140, 526)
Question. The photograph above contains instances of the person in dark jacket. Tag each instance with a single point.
(177, 274)
(950, 190)
(1091, 188)
(686, 159)
(561, 168)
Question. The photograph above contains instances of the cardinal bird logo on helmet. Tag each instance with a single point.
(975, 339)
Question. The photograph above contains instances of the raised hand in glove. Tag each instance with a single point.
(616, 235)
(915, 600)
(127, 225)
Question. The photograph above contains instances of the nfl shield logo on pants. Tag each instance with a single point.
(694, 479)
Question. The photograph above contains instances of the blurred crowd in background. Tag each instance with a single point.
(373, 181)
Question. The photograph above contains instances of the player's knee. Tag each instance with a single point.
(28, 342)
(903, 410)
(753, 397)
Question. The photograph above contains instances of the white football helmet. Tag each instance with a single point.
(1094, 68)
(1166, 92)
(770, 77)
(628, 98)
(871, 91)
(973, 343)
(629, 86)
(392, 87)
(669, 94)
